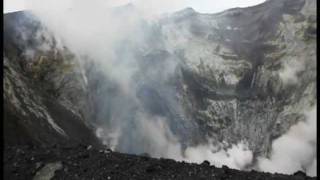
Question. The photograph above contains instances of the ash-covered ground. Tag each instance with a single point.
(86, 162)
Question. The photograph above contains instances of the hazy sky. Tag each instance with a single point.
(204, 6)
(13, 5)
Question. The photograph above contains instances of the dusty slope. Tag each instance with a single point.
(85, 162)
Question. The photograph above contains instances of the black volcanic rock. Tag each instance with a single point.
(72, 162)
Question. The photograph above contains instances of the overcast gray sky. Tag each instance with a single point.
(13, 5)
(204, 6)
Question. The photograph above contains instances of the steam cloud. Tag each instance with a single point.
(288, 73)
(95, 31)
(295, 150)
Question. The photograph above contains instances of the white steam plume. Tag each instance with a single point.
(295, 150)
(162, 143)
(237, 157)
(94, 32)
(290, 69)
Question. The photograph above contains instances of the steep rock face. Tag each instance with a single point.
(38, 106)
(248, 72)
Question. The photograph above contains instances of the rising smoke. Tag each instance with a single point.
(290, 69)
(295, 150)
(132, 113)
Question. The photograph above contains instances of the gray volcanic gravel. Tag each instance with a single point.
(87, 162)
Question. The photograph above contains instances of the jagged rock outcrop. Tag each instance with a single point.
(36, 110)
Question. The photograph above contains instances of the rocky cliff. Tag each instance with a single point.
(247, 73)
(35, 111)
